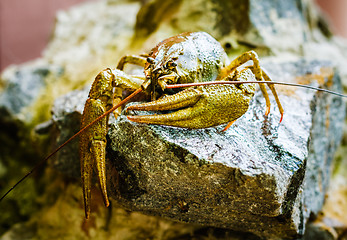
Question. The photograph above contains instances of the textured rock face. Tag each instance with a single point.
(258, 176)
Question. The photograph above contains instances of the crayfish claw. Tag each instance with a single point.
(87, 185)
(99, 152)
(207, 103)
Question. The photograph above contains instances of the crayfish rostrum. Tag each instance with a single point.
(185, 58)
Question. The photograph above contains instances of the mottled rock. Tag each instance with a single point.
(22, 87)
(259, 176)
(90, 37)
(85, 40)
(325, 228)
(67, 120)
(276, 25)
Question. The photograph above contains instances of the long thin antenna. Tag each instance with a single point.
(267, 82)
(72, 138)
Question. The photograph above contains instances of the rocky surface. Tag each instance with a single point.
(93, 36)
(259, 176)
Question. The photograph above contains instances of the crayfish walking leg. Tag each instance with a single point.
(259, 73)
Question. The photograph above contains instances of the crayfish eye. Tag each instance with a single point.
(150, 60)
(170, 65)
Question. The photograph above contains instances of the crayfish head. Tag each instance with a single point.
(158, 75)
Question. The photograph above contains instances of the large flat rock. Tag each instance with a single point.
(260, 176)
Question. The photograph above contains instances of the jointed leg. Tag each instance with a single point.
(133, 59)
(242, 59)
(259, 74)
(123, 81)
(273, 90)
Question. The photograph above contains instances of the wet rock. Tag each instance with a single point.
(259, 176)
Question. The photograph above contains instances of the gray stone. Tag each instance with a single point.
(66, 118)
(259, 176)
(325, 228)
(22, 88)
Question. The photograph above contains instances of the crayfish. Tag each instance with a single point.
(215, 92)
(185, 58)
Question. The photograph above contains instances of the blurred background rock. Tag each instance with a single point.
(26, 26)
